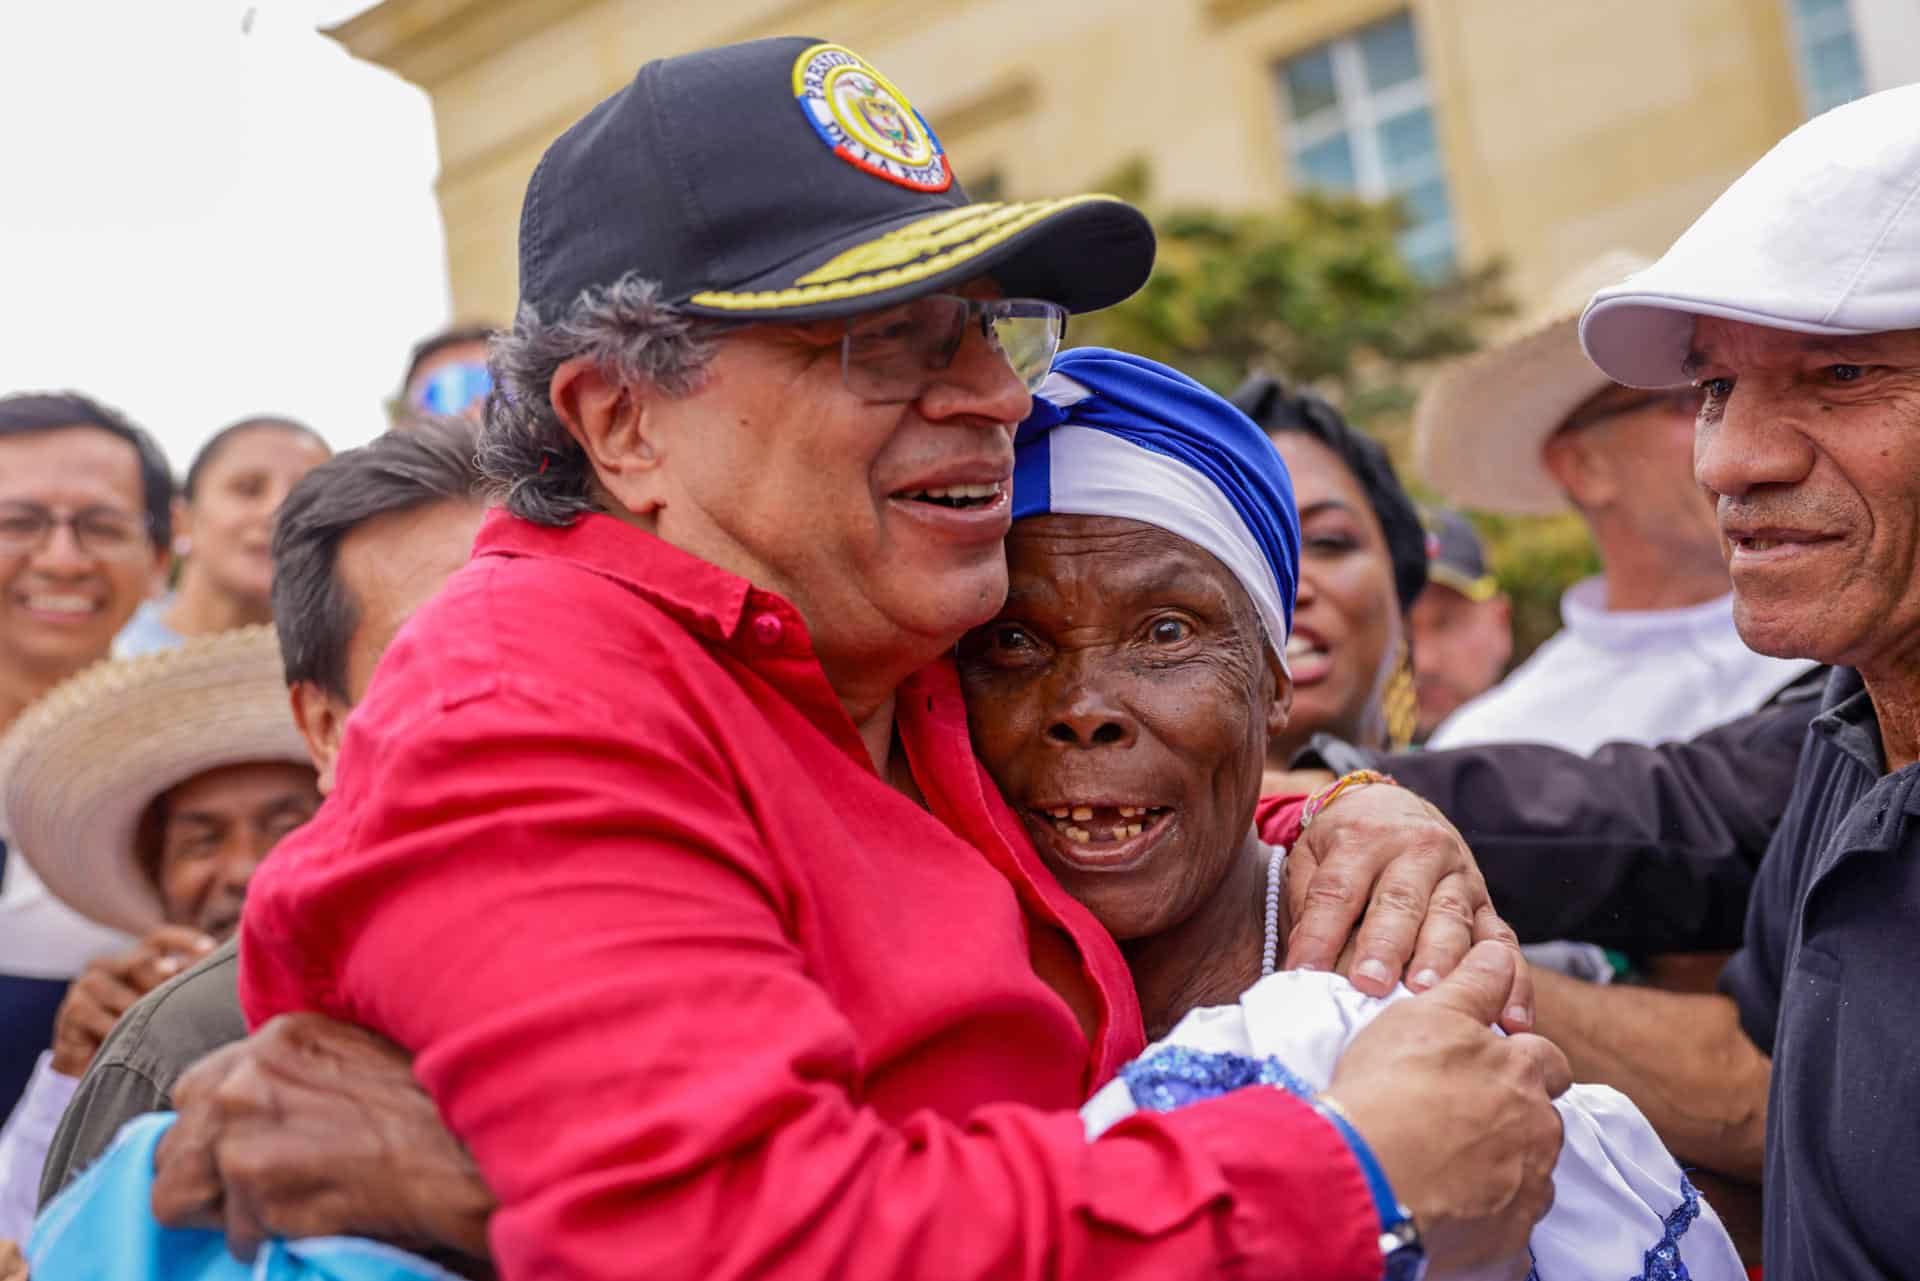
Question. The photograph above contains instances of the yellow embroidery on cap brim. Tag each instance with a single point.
(859, 286)
(917, 240)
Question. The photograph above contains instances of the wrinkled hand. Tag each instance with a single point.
(1383, 851)
(109, 987)
(315, 1128)
(1460, 1117)
(13, 1267)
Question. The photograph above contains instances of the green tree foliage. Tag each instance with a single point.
(1317, 292)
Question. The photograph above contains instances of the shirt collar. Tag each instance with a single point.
(699, 595)
(1583, 608)
(1847, 721)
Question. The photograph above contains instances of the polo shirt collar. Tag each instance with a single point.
(1848, 722)
(705, 599)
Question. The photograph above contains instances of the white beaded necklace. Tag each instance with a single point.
(1270, 948)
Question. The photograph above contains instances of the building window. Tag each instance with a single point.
(1829, 57)
(1361, 122)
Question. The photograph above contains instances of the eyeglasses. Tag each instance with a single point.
(102, 532)
(892, 356)
(451, 389)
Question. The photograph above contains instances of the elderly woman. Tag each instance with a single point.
(1123, 700)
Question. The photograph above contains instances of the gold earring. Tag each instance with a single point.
(1400, 702)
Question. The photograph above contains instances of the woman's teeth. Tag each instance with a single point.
(1088, 824)
(1300, 647)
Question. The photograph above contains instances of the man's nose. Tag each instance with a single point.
(979, 384)
(241, 860)
(1754, 441)
(61, 554)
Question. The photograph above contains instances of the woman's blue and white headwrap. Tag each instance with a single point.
(1118, 435)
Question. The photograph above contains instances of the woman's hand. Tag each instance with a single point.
(13, 1267)
(1382, 858)
(315, 1128)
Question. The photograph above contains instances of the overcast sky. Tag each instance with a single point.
(199, 223)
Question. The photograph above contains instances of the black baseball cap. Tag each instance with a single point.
(787, 179)
(1455, 556)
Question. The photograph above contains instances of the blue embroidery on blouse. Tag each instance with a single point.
(1175, 1076)
(1663, 1262)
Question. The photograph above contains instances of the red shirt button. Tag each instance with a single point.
(768, 629)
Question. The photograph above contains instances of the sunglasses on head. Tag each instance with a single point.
(452, 389)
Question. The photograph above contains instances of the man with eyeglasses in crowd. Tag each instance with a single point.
(85, 521)
(658, 838)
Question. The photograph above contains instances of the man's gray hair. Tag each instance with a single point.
(532, 466)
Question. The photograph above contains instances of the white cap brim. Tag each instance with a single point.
(1643, 339)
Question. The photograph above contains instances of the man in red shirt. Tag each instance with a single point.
(658, 839)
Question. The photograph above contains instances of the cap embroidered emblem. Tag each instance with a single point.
(866, 120)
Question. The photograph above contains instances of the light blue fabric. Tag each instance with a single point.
(102, 1229)
(147, 631)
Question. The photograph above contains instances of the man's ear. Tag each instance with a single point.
(1580, 466)
(619, 431)
(322, 719)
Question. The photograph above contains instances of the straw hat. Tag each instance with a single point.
(82, 764)
(1480, 425)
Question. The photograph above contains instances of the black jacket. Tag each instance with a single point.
(1645, 849)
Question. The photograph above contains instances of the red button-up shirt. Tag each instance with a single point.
(706, 997)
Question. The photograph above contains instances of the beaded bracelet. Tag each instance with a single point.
(1324, 797)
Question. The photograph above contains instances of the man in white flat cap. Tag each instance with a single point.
(1649, 652)
(1794, 304)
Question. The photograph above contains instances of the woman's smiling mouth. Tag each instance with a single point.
(1308, 657)
(1099, 835)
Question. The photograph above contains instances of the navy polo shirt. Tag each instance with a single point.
(1828, 984)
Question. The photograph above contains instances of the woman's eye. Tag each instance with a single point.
(1330, 543)
(1846, 373)
(1716, 388)
(1014, 638)
(1169, 631)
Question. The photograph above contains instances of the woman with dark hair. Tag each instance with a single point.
(224, 532)
(1363, 561)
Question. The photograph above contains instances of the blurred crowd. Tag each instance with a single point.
(778, 769)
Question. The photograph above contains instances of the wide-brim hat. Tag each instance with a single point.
(1821, 236)
(790, 180)
(1480, 425)
(80, 766)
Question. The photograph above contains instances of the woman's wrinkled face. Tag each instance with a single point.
(1122, 701)
(1347, 627)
